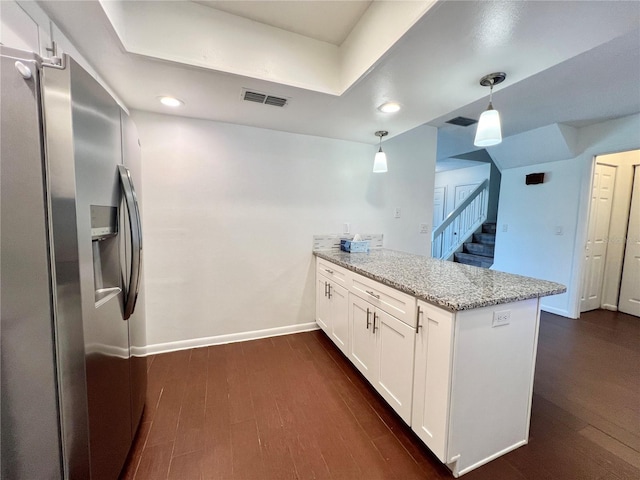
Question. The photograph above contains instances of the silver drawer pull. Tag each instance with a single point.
(372, 294)
(328, 271)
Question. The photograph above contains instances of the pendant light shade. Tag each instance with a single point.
(380, 160)
(489, 130)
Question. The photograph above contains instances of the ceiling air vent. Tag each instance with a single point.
(462, 121)
(263, 98)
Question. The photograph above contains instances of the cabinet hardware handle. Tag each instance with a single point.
(328, 271)
(372, 294)
(368, 321)
(325, 288)
(329, 291)
(418, 326)
(374, 322)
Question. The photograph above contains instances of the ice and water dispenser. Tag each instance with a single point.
(106, 263)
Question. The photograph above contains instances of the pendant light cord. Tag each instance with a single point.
(491, 96)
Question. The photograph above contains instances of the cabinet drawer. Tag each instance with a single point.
(333, 272)
(392, 301)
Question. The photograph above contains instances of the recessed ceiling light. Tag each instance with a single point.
(170, 101)
(389, 107)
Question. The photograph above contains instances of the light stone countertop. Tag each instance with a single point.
(450, 285)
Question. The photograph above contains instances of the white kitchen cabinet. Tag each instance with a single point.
(331, 304)
(338, 299)
(392, 301)
(395, 355)
(363, 342)
(335, 273)
(462, 379)
(382, 348)
(473, 381)
(432, 377)
(323, 306)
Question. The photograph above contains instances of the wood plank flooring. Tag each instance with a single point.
(293, 407)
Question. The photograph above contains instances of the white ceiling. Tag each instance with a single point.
(327, 21)
(566, 61)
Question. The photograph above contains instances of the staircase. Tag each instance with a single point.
(479, 252)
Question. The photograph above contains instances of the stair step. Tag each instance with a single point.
(486, 238)
(475, 260)
(483, 249)
(488, 228)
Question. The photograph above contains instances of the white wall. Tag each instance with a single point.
(17, 29)
(25, 26)
(230, 212)
(461, 176)
(532, 213)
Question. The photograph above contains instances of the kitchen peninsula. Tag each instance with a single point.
(450, 347)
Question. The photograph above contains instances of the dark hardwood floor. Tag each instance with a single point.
(293, 407)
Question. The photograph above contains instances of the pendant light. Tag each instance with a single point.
(380, 160)
(489, 131)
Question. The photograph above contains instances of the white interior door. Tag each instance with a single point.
(439, 205)
(463, 191)
(630, 285)
(598, 232)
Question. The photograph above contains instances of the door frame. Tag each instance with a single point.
(575, 287)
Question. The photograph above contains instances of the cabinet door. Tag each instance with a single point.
(362, 348)
(339, 298)
(432, 380)
(394, 363)
(323, 307)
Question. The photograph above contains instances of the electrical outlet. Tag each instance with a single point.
(503, 317)
(346, 228)
(396, 212)
(505, 227)
(424, 228)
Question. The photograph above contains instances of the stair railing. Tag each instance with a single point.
(461, 223)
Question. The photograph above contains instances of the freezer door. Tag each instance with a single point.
(30, 435)
(83, 141)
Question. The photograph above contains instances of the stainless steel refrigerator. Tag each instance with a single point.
(72, 382)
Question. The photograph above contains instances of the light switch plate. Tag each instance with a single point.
(424, 228)
(396, 212)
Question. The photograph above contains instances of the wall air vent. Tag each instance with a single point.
(264, 98)
(462, 121)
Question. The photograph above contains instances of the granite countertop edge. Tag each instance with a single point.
(537, 287)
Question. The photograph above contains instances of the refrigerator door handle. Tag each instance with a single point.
(131, 201)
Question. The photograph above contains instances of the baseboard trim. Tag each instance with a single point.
(613, 308)
(222, 339)
(486, 460)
